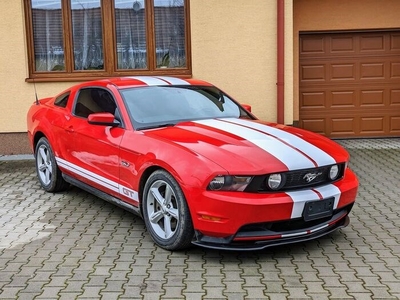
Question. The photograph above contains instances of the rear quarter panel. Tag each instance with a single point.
(37, 121)
(46, 119)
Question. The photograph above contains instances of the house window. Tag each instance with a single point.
(84, 39)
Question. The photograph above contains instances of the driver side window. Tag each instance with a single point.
(94, 100)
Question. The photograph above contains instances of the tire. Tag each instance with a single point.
(166, 213)
(49, 175)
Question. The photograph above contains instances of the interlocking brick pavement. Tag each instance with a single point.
(73, 245)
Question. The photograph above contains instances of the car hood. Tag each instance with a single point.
(252, 147)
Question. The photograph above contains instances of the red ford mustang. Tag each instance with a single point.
(194, 164)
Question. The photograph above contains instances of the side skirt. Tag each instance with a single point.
(102, 195)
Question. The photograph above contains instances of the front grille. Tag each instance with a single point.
(297, 179)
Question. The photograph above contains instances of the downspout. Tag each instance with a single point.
(281, 62)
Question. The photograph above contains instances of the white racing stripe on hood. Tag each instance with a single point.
(292, 158)
(150, 80)
(173, 80)
(319, 156)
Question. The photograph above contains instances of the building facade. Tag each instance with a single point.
(330, 66)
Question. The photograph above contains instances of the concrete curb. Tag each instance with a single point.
(16, 157)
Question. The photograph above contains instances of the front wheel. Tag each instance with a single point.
(166, 213)
(49, 174)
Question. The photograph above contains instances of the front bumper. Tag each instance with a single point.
(261, 238)
(247, 221)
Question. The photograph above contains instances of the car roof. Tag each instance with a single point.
(134, 81)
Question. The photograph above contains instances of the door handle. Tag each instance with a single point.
(70, 129)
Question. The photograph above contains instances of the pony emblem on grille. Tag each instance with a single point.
(311, 176)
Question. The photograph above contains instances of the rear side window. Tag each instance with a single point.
(62, 100)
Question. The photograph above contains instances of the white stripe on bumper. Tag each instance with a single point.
(301, 197)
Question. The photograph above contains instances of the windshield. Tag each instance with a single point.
(155, 106)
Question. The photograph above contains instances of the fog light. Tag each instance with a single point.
(274, 181)
(334, 172)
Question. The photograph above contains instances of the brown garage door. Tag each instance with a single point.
(350, 84)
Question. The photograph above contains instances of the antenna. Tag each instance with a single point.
(34, 86)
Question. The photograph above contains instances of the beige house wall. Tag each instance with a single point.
(334, 15)
(234, 46)
(16, 94)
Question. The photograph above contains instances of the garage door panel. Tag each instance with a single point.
(338, 125)
(312, 73)
(360, 97)
(323, 72)
(312, 45)
(372, 98)
(372, 71)
(372, 125)
(342, 44)
(313, 100)
(350, 84)
(343, 99)
(372, 43)
(395, 42)
(347, 70)
(343, 72)
(315, 124)
(343, 126)
(319, 100)
(333, 127)
(394, 125)
(395, 98)
(395, 70)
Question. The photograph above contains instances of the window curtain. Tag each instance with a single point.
(48, 35)
(87, 35)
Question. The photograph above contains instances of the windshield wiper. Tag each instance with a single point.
(157, 126)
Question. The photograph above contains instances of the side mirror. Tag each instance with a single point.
(105, 119)
(247, 107)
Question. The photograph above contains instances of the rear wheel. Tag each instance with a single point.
(49, 174)
(166, 213)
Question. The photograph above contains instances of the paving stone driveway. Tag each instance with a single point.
(75, 246)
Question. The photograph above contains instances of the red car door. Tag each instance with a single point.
(93, 150)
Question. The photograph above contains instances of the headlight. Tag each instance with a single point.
(217, 183)
(334, 172)
(229, 183)
(275, 181)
